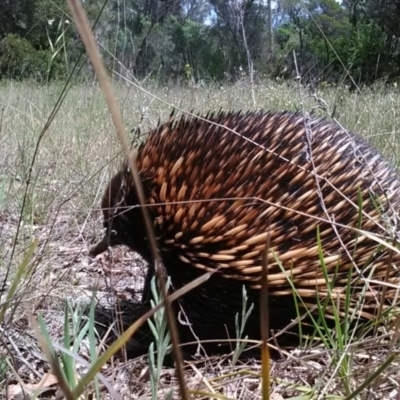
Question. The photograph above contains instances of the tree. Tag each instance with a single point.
(232, 18)
(326, 42)
(37, 38)
(376, 38)
(16, 17)
(138, 22)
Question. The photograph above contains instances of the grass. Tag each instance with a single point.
(78, 154)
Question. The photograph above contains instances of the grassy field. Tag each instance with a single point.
(54, 165)
(77, 152)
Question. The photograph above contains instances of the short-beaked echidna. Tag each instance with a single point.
(216, 186)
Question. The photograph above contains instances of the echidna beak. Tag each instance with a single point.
(100, 247)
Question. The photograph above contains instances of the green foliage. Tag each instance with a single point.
(284, 34)
(3, 367)
(44, 46)
(159, 328)
(16, 16)
(4, 189)
(19, 59)
(328, 37)
(193, 44)
(240, 326)
(63, 359)
(22, 269)
(367, 44)
(217, 38)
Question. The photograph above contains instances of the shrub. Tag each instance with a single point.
(20, 60)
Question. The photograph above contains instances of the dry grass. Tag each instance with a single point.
(76, 157)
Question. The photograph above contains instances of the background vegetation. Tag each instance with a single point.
(207, 40)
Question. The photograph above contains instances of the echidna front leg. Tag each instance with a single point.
(146, 295)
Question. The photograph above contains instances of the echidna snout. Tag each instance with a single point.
(123, 220)
(216, 186)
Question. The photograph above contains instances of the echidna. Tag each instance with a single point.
(217, 185)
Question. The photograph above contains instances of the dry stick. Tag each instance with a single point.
(87, 37)
(91, 48)
(377, 383)
(1, 119)
(325, 106)
(264, 319)
(249, 60)
(309, 138)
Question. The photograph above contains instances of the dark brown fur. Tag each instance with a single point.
(215, 190)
